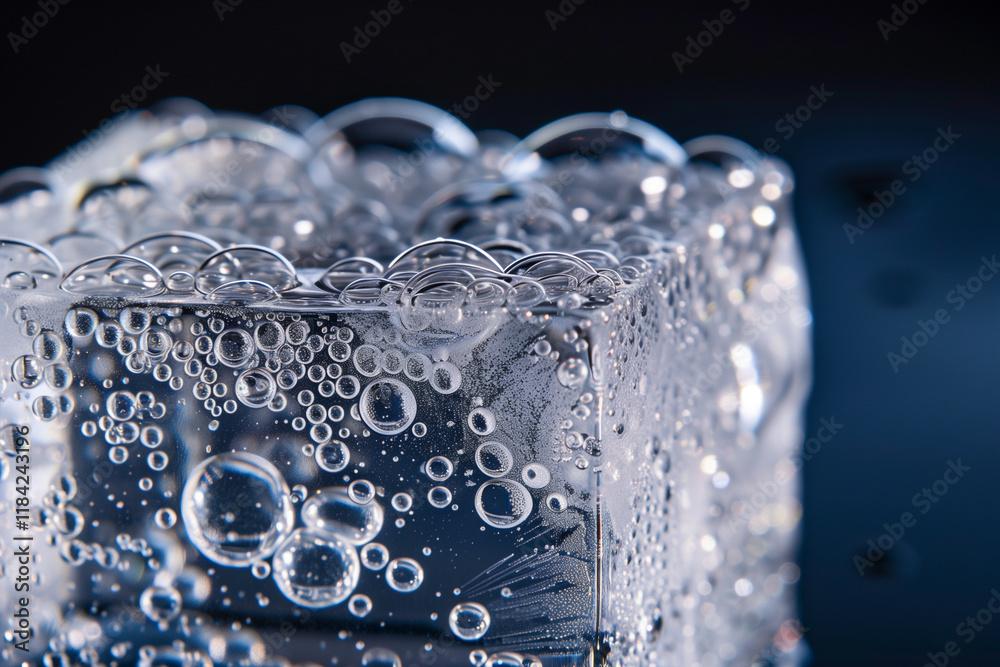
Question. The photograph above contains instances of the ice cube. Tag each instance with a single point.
(386, 394)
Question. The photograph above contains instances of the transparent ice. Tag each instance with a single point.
(386, 392)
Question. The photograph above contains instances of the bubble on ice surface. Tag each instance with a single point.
(236, 508)
(503, 503)
(469, 621)
(404, 575)
(333, 510)
(315, 570)
(115, 275)
(245, 262)
(482, 421)
(26, 265)
(388, 406)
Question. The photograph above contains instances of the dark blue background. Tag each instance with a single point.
(889, 99)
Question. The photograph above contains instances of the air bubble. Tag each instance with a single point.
(482, 421)
(236, 508)
(374, 556)
(380, 657)
(315, 569)
(234, 347)
(535, 475)
(402, 502)
(439, 468)
(160, 603)
(439, 497)
(359, 605)
(333, 456)
(165, 518)
(417, 367)
(503, 503)
(348, 386)
(388, 406)
(469, 621)
(333, 510)
(361, 491)
(404, 575)
(445, 377)
(494, 459)
(556, 502)
(368, 360)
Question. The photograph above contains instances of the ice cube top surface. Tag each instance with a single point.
(372, 388)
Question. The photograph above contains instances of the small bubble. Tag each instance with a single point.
(556, 502)
(361, 491)
(402, 502)
(439, 497)
(404, 575)
(261, 569)
(482, 421)
(439, 468)
(359, 605)
(165, 518)
(374, 556)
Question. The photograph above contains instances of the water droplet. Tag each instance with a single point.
(503, 503)
(27, 371)
(494, 459)
(404, 575)
(333, 511)
(388, 406)
(469, 621)
(80, 322)
(315, 569)
(236, 508)
(572, 373)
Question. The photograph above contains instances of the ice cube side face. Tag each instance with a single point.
(601, 479)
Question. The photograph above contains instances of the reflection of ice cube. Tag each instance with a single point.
(561, 435)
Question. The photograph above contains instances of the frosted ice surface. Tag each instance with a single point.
(389, 392)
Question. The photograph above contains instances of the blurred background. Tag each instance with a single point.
(887, 113)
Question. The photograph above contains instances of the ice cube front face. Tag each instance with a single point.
(383, 392)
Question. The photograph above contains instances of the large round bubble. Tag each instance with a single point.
(237, 508)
